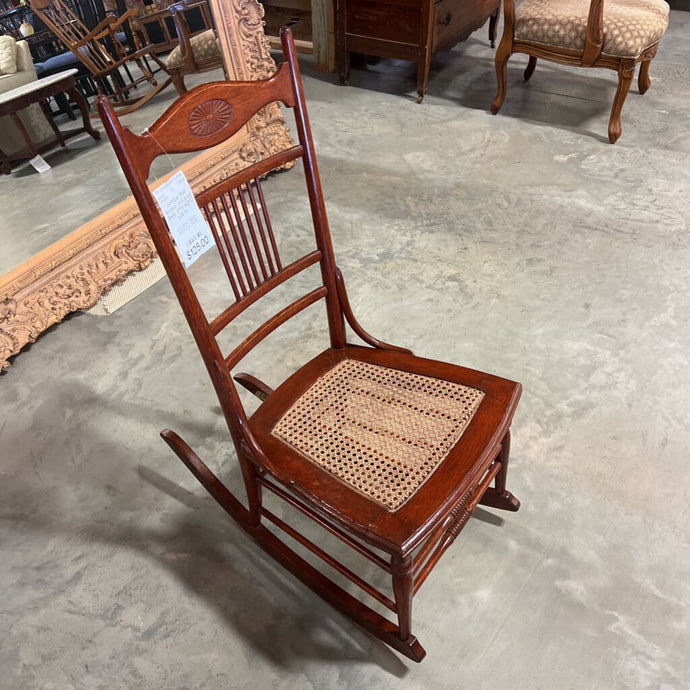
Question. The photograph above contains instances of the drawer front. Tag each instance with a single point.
(455, 20)
(389, 21)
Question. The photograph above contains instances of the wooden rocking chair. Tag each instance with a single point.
(388, 452)
(102, 53)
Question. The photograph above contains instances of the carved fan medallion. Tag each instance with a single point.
(209, 117)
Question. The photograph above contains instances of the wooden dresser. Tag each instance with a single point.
(409, 29)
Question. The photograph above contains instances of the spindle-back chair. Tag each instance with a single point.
(388, 452)
(102, 52)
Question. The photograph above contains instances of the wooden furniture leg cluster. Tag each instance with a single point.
(409, 30)
(38, 91)
(584, 35)
(388, 452)
(102, 53)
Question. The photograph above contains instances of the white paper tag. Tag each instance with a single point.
(39, 164)
(190, 231)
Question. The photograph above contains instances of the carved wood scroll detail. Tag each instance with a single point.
(73, 273)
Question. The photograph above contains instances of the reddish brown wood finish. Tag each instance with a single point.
(590, 56)
(405, 543)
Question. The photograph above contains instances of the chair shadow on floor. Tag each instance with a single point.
(194, 541)
(559, 97)
(574, 102)
(236, 585)
(198, 544)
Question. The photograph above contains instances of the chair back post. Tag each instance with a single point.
(336, 323)
(206, 342)
(509, 18)
(594, 36)
(177, 12)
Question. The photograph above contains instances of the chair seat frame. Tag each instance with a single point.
(590, 56)
(407, 543)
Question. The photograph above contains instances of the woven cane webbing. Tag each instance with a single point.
(382, 431)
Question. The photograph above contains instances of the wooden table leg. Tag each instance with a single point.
(49, 116)
(25, 134)
(83, 106)
(5, 163)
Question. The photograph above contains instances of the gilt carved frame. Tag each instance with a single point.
(74, 272)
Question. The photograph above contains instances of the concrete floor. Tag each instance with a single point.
(521, 244)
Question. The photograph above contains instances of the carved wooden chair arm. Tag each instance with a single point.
(509, 17)
(594, 38)
(355, 325)
(177, 12)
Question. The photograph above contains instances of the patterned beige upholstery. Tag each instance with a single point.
(204, 45)
(382, 431)
(630, 26)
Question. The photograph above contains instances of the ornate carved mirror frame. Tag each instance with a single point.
(75, 271)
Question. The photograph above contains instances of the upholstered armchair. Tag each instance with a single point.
(32, 118)
(614, 34)
(194, 53)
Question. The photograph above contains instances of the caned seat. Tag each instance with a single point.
(379, 436)
(614, 34)
(387, 452)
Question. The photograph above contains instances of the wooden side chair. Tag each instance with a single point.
(194, 53)
(102, 52)
(614, 34)
(388, 452)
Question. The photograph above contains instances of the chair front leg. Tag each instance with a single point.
(626, 72)
(505, 50)
(403, 588)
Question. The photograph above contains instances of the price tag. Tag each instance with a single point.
(39, 164)
(189, 229)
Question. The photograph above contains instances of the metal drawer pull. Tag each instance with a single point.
(447, 19)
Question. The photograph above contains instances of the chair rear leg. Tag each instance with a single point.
(626, 72)
(643, 81)
(403, 589)
(498, 496)
(493, 21)
(531, 65)
(146, 72)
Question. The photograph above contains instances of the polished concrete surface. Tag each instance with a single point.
(521, 244)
